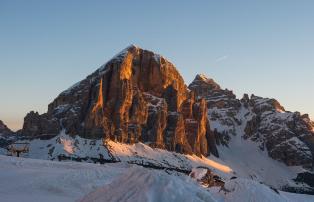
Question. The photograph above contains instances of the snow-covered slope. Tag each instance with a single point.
(240, 159)
(285, 136)
(67, 148)
(41, 180)
(257, 137)
(248, 161)
(143, 185)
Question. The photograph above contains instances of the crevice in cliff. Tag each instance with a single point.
(100, 101)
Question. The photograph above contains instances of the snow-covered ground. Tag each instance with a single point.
(249, 162)
(64, 147)
(241, 158)
(26, 180)
(247, 171)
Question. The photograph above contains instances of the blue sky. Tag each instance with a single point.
(261, 47)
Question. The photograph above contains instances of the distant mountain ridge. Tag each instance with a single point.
(137, 109)
(4, 129)
(287, 136)
(139, 96)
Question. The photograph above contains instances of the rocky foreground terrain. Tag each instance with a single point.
(137, 109)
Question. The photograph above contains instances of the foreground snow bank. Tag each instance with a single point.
(143, 185)
(250, 190)
(41, 180)
(241, 158)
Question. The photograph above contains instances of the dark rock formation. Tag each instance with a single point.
(140, 96)
(137, 96)
(35, 124)
(222, 106)
(4, 130)
(203, 86)
(287, 136)
(207, 178)
(6, 135)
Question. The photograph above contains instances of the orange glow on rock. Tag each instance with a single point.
(100, 102)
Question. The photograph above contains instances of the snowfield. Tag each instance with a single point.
(31, 180)
(141, 185)
(138, 173)
(39, 180)
(241, 158)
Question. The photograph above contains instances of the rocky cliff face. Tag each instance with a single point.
(286, 136)
(6, 135)
(137, 96)
(222, 105)
(4, 130)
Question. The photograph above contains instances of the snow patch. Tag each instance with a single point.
(67, 145)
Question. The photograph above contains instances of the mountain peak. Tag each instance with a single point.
(135, 51)
(203, 85)
(135, 54)
(136, 96)
(4, 129)
(205, 78)
(202, 76)
(133, 46)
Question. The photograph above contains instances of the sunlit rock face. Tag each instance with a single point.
(137, 96)
(287, 136)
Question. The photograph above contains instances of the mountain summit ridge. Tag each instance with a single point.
(139, 96)
(136, 96)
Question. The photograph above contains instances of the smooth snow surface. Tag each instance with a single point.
(143, 185)
(249, 162)
(30, 180)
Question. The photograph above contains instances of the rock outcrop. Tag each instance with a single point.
(36, 125)
(6, 135)
(287, 136)
(137, 96)
(4, 130)
(222, 107)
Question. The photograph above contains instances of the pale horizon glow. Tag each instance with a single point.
(264, 48)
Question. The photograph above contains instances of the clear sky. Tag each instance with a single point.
(261, 47)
